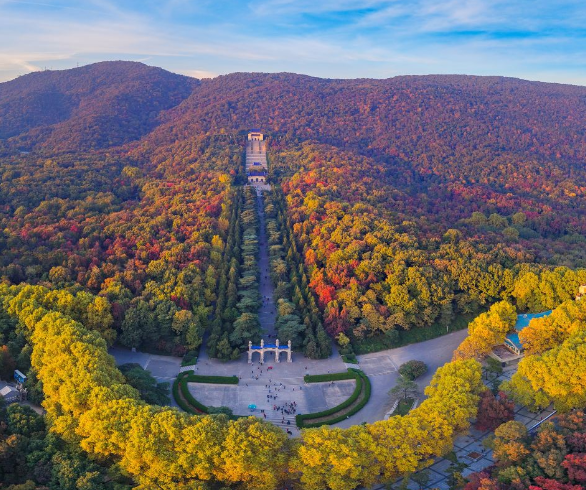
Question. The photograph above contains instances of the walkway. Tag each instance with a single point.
(267, 313)
(470, 451)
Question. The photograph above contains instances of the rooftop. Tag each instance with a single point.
(523, 321)
(271, 346)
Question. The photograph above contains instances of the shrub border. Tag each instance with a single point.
(186, 400)
(361, 381)
(319, 378)
(349, 358)
(219, 380)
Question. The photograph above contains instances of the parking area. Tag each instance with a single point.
(378, 365)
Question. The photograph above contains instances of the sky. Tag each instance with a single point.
(530, 39)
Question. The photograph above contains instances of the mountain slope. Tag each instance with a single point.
(96, 106)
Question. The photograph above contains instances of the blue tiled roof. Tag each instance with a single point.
(270, 346)
(514, 339)
(523, 321)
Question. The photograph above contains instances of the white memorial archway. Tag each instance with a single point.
(264, 348)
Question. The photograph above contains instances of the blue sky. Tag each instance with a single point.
(535, 40)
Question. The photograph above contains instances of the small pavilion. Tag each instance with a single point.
(276, 348)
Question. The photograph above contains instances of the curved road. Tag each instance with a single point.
(381, 368)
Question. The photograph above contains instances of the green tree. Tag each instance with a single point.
(404, 387)
(150, 390)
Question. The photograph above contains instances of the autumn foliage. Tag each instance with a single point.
(549, 459)
(493, 411)
(161, 446)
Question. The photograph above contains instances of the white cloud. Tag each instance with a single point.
(199, 73)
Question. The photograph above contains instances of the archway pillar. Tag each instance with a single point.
(277, 351)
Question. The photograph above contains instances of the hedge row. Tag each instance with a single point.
(180, 401)
(189, 397)
(188, 402)
(319, 378)
(300, 418)
(362, 381)
(190, 358)
(349, 358)
(219, 380)
(354, 410)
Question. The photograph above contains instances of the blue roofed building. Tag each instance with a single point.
(512, 341)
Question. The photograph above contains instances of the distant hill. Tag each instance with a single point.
(110, 103)
(96, 106)
(424, 119)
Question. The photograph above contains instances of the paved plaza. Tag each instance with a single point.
(290, 395)
(287, 376)
(381, 368)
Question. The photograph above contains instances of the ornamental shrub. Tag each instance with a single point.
(413, 369)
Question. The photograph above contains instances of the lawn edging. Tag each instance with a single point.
(186, 400)
(361, 392)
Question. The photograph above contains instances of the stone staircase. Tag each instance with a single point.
(277, 419)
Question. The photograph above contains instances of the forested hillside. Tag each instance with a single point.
(399, 205)
(95, 106)
(412, 200)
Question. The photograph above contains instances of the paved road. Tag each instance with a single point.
(162, 368)
(381, 368)
(267, 314)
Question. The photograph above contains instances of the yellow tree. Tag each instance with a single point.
(558, 375)
(487, 330)
(510, 443)
(255, 454)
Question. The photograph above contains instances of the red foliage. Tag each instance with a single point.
(480, 481)
(576, 466)
(549, 484)
(336, 321)
(577, 442)
(494, 411)
(180, 302)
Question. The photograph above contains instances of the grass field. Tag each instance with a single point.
(404, 406)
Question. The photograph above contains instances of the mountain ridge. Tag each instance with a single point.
(126, 101)
(94, 106)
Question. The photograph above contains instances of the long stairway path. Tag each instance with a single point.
(267, 313)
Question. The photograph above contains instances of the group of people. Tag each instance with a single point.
(288, 408)
(258, 374)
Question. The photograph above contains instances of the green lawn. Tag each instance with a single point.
(404, 406)
(413, 336)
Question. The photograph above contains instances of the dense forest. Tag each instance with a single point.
(412, 200)
(398, 205)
